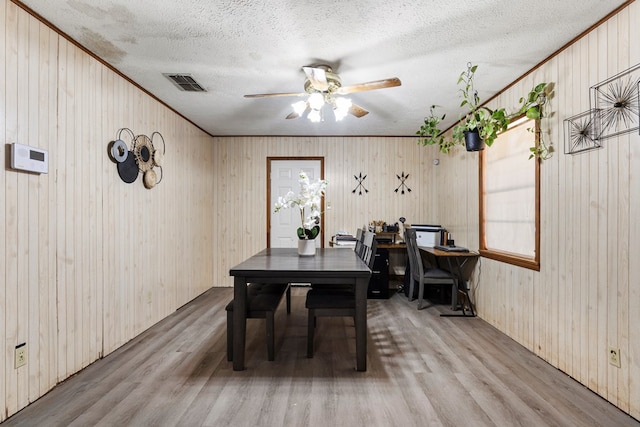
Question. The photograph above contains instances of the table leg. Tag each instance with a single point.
(462, 285)
(361, 324)
(459, 263)
(239, 321)
(454, 295)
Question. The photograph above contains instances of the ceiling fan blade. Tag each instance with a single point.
(317, 77)
(268, 95)
(378, 84)
(358, 111)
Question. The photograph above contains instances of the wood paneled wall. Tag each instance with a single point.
(87, 262)
(239, 168)
(585, 297)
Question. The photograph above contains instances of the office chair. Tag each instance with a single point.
(424, 274)
(369, 245)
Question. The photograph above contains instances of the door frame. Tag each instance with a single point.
(270, 203)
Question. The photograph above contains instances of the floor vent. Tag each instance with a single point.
(185, 82)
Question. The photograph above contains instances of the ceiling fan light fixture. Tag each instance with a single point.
(315, 116)
(322, 85)
(340, 114)
(341, 108)
(316, 101)
(299, 107)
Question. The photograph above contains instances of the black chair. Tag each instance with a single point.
(424, 274)
(359, 243)
(335, 301)
(369, 245)
(262, 302)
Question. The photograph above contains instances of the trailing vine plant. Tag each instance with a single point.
(488, 122)
(533, 108)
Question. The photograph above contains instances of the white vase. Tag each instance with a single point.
(306, 247)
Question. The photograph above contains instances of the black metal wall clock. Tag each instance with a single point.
(139, 156)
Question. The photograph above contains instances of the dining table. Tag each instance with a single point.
(329, 266)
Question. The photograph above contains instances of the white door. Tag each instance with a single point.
(284, 178)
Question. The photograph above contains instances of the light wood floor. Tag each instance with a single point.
(423, 370)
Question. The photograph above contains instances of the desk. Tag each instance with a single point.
(277, 265)
(455, 264)
(397, 258)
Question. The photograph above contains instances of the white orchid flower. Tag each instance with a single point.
(308, 200)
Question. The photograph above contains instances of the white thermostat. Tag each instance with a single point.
(29, 159)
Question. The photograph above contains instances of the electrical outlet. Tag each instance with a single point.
(614, 356)
(21, 355)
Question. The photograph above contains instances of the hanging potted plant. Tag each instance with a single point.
(481, 125)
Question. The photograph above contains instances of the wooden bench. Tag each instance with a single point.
(262, 302)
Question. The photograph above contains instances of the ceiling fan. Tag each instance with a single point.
(321, 87)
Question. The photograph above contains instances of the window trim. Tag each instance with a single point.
(532, 263)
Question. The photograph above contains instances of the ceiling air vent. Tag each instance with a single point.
(185, 82)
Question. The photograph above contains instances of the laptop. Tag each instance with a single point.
(451, 248)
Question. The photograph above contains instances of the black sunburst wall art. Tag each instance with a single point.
(616, 102)
(581, 133)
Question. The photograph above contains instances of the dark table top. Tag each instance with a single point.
(327, 263)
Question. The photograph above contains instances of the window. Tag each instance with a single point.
(509, 197)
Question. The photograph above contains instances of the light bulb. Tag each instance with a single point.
(316, 101)
(341, 109)
(343, 103)
(314, 116)
(340, 114)
(299, 107)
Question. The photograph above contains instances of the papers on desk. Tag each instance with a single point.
(342, 243)
(344, 240)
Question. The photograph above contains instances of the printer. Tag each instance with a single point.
(427, 235)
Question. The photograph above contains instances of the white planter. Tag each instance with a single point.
(306, 247)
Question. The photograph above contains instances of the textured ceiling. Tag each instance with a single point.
(237, 47)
